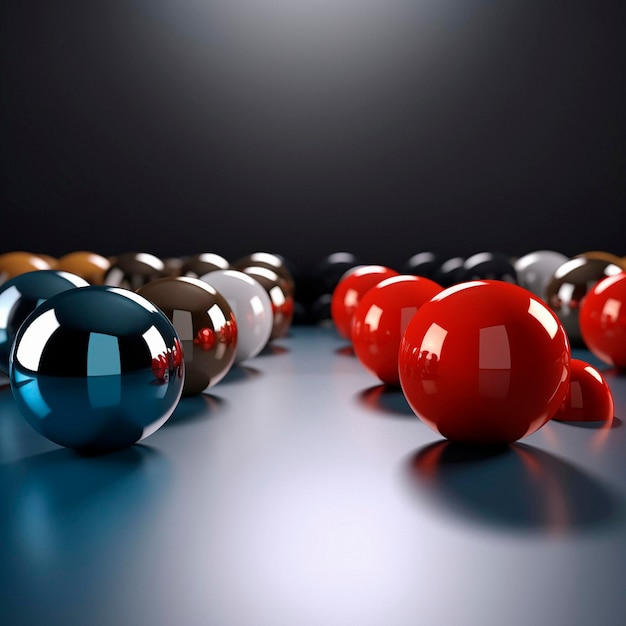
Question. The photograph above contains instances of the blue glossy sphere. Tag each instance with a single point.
(21, 295)
(97, 368)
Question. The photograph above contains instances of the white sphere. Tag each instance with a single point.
(251, 306)
(536, 269)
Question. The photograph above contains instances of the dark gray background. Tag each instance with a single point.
(384, 128)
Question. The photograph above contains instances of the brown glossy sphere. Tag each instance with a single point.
(15, 263)
(205, 325)
(602, 255)
(172, 266)
(568, 287)
(281, 297)
(133, 270)
(270, 261)
(201, 264)
(86, 264)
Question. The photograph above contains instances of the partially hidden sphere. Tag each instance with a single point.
(422, 264)
(281, 296)
(132, 270)
(450, 272)
(96, 369)
(199, 264)
(589, 398)
(327, 273)
(488, 265)
(350, 289)
(88, 265)
(380, 319)
(251, 307)
(536, 269)
(21, 295)
(603, 255)
(205, 325)
(269, 261)
(603, 320)
(484, 362)
(569, 285)
(19, 262)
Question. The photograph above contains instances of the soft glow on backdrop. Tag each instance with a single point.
(384, 128)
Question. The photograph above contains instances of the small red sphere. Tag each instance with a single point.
(380, 319)
(589, 398)
(349, 290)
(484, 362)
(602, 320)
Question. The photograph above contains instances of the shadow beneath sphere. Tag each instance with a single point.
(616, 422)
(193, 408)
(616, 379)
(60, 510)
(386, 400)
(240, 373)
(346, 351)
(65, 478)
(273, 349)
(516, 488)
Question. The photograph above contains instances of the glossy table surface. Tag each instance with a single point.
(299, 491)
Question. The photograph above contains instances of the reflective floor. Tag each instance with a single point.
(299, 491)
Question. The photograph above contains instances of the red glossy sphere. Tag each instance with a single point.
(380, 319)
(484, 362)
(349, 290)
(602, 320)
(589, 398)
